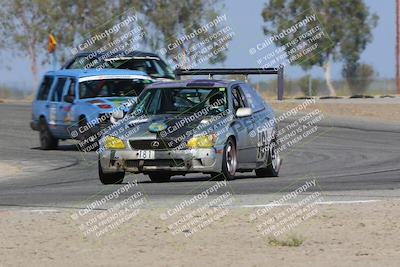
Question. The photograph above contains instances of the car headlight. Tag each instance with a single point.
(203, 141)
(112, 142)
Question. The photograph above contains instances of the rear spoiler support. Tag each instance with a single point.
(242, 71)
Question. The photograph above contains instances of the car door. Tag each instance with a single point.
(55, 107)
(65, 109)
(244, 129)
(262, 122)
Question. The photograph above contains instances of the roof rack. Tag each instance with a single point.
(240, 71)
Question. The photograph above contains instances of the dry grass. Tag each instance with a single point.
(383, 112)
(289, 241)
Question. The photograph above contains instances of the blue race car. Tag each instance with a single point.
(75, 104)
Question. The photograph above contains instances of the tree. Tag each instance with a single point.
(73, 22)
(23, 28)
(358, 77)
(304, 83)
(347, 24)
(184, 30)
(26, 24)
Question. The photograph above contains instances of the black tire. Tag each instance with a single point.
(160, 177)
(110, 178)
(229, 161)
(47, 140)
(273, 162)
(217, 176)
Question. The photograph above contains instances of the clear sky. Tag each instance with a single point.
(245, 19)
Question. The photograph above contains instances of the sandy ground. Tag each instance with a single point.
(385, 110)
(8, 170)
(16, 101)
(364, 234)
(375, 110)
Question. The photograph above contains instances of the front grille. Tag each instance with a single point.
(156, 162)
(153, 144)
(164, 162)
(132, 163)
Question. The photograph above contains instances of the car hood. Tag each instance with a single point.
(165, 126)
(109, 103)
(168, 128)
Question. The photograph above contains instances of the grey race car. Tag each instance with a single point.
(215, 127)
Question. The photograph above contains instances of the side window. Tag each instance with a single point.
(82, 90)
(58, 90)
(238, 100)
(71, 88)
(154, 105)
(44, 88)
(253, 98)
(140, 107)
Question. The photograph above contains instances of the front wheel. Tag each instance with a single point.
(229, 160)
(273, 162)
(110, 178)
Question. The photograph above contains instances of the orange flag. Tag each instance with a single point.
(51, 43)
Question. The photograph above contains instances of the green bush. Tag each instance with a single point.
(358, 77)
(303, 84)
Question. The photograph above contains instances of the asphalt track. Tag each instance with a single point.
(341, 159)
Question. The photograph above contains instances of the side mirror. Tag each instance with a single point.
(243, 112)
(69, 98)
(116, 115)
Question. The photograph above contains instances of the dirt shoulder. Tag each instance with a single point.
(384, 110)
(27, 101)
(8, 170)
(363, 234)
(374, 110)
(12, 169)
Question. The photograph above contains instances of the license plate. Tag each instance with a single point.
(146, 154)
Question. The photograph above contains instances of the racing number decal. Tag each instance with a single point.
(262, 145)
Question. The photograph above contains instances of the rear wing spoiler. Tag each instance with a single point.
(242, 71)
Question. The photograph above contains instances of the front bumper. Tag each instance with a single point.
(203, 160)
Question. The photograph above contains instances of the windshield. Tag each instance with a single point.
(153, 67)
(112, 87)
(208, 101)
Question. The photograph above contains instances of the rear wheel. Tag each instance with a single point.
(110, 178)
(47, 140)
(273, 162)
(160, 177)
